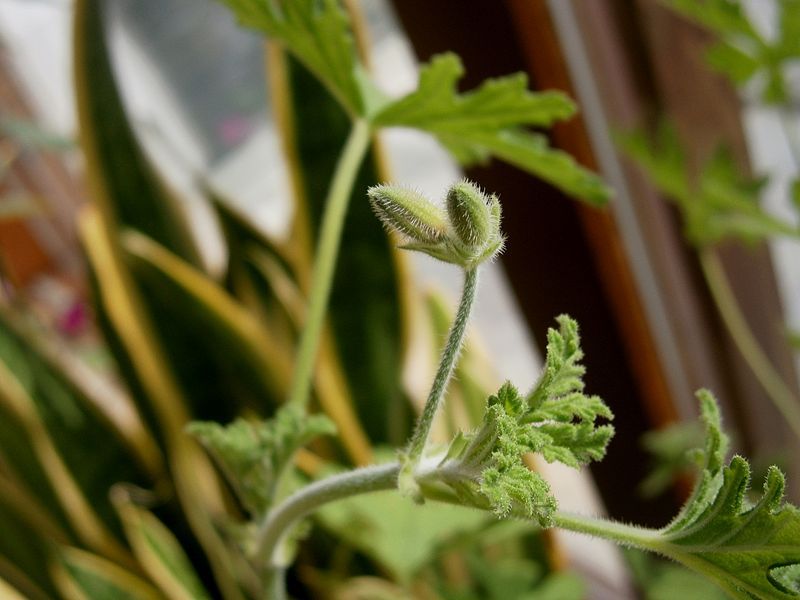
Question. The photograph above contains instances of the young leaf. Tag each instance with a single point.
(317, 32)
(556, 420)
(751, 551)
(492, 121)
(254, 454)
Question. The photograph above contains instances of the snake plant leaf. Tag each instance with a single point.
(492, 121)
(130, 331)
(318, 34)
(65, 433)
(366, 305)
(81, 575)
(24, 555)
(121, 180)
(239, 361)
(11, 593)
(751, 550)
(158, 552)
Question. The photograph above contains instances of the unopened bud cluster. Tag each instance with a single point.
(466, 234)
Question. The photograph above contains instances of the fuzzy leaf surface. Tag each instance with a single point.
(254, 454)
(492, 121)
(752, 550)
(555, 420)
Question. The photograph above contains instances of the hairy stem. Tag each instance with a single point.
(626, 535)
(455, 339)
(303, 502)
(325, 259)
(766, 374)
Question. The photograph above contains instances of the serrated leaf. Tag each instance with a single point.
(744, 548)
(492, 121)
(317, 33)
(253, 455)
(556, 421)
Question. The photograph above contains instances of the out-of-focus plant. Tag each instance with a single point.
(717, 202)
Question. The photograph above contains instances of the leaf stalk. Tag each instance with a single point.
(327, 252)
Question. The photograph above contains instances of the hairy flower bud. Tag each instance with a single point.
(408, 212)
(469, 214)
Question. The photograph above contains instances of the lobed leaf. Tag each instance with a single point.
(317, 32)
(253, 455)
(492, 121)
(555, 420)
(750, 550)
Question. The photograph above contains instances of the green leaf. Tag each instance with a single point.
(65, 430)
(91, 577)
(660, 579)
(556, 420)
(317, 32)
(719, 203)
(737, 64)
(745, 548)
(404, 543)
(492, 121)
(242, 364)
(253, 455)
(121, 180)
(158, 552)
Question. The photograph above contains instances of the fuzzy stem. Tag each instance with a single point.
(782, 397)
(306, 500)
(325, 260)
(447, 363)
(626, 535)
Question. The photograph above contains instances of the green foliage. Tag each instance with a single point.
(516, 579)
(718, 203)
(660, 579)
(721, 534)
(670, 457)
(254, 455)
(742, 52)
(492, 121)
(408, 541)
(318, 34)
(556, 420)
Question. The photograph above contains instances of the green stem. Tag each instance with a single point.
(306, 500)
(626, 535)
(325, 260)
(446, 365)
(773, 384)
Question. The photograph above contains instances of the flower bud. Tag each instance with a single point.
(469, 214)
(408, 212)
